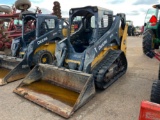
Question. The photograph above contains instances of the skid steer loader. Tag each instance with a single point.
(94, 55)
(36, 45)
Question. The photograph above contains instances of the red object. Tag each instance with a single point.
(15, 35)
(3, 39)
(157, 55)
(75, 26)
(1, 44)
(1, 35)
(149, 111)
(11, 26)
(153, 20)
(142, 29)
(8, 45)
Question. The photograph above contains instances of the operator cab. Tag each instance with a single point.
(83, 30)
(34, 26)
(87, 29)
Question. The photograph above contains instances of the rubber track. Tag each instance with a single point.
(104, 65)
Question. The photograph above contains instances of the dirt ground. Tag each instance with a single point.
(121, 101)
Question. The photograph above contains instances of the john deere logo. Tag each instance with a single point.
(42, 40)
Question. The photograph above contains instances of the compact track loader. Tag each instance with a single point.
(94, 55)
(36, 45)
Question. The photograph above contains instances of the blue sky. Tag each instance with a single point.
(6, 2)
(135, 10)
(12, 1)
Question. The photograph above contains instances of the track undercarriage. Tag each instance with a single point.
(113, 66)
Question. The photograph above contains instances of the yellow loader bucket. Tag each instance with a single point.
(11, 69)
(60, 90)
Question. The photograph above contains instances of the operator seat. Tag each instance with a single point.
(43, 28)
